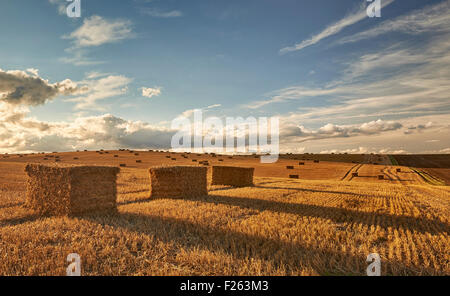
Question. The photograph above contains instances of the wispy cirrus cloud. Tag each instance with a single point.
(153, 12)
(333, 29)
(96, 31)
(99, 88)
(433, 18)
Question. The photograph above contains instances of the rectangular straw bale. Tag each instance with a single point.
(380, 177)
(178, 181)
(355, 174)
(233, 176)
(65, 190)
(293, 176)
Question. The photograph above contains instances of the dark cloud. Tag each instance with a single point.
(26, 88)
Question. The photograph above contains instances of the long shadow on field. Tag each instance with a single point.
(19, 220)
(11, 205)
(313, 190)
(189, 235)
(339, 215)
(287, 255)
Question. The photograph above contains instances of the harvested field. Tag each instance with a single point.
(281, 226)
(435, 165)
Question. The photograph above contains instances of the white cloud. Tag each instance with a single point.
(188, 113)
(151, 92)
(162, 14)
(27, 88)
(101, 88)
(297, 133)
(333, 29)
(19, 133)
(97, 31)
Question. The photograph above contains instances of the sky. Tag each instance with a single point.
(338, 80)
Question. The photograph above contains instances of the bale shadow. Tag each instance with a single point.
(338, 215)
(244, 246)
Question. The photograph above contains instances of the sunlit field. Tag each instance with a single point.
(324, 223)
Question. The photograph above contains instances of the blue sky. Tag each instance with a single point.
(338, 80)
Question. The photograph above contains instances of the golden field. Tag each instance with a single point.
(325, 223)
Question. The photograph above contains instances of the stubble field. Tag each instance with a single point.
(324, 223)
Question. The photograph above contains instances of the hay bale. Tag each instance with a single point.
(290, 167)
(64, 190)
(173, 158)
(293, 177)
(138, 161)
(194, 160)
(380, 177)
(234, 176)
(116, 155)
(75, 158)
(220, 159)
(168, 156)
(316, 161)
(399, 170)
(178, 181)
(136, 154)
(355, 174)
(122, 165)
(301, 163)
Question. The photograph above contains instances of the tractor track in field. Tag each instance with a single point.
(353, 169)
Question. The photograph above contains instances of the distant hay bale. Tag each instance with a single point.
(293, 177)
(116, 155)
(136, 154)
(168, 156)
(57, 160)
(301, 163)
(122, 165)
(178, 181)
(290, 167)
(45, 158)
(380, 177)
(220, 159)
(316, 161)
(64, 190)
(355, 174)
(75, 158)
(399, 170)
(173, 158)
(138, 161)
(233, 176)
(194, 160)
